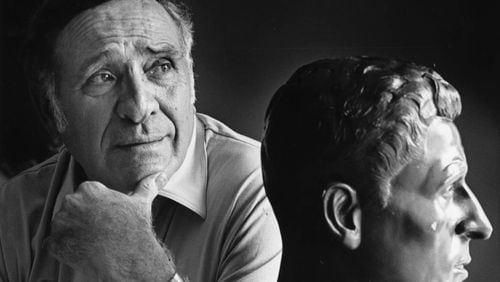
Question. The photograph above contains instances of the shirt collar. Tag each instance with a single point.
(187, 186)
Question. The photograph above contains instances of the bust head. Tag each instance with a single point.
(366, 172)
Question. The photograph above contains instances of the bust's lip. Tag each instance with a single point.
(459, 268)
(460, 272)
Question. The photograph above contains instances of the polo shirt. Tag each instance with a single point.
(213, 214)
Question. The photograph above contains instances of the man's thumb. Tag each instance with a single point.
(148, 187)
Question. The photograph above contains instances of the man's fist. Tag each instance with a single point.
(108, 233)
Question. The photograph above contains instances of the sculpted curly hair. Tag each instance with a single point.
(356, 120)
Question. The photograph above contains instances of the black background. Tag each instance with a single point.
(244, 50)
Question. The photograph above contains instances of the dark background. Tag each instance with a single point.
(244, 50)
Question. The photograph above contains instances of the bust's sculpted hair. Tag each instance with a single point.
(48, 22)
(355, 120)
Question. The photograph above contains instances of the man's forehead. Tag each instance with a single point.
(119, 19)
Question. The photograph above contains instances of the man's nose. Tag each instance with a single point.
(476, 224)
(137, 101)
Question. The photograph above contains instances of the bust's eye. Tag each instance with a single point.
(160, 68)
(456, 190)
(449, 191)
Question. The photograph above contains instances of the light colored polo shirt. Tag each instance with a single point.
(213, 214)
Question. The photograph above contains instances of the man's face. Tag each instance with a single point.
(125, 86)
(424, 233)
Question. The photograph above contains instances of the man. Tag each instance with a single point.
(118, 76)
(366, 173)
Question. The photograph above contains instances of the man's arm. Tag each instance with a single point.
(109, 234)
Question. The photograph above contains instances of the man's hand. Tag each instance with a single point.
(109, 234)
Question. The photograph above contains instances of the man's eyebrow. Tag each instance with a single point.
(158, 49)
(93, 60)
(162, 48)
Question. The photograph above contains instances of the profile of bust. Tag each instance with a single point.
(366, 173)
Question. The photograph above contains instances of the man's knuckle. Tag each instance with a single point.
(60, 220)
(90, 188)
(66, 205)
(70, 199)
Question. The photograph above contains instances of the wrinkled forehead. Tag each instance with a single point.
(119, 19)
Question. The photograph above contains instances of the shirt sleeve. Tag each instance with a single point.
(253, 252)
(3, 268)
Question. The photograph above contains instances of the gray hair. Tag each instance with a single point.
(48, 22)
(182, 18)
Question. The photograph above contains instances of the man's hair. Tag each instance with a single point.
(39, 49)
(356, 120)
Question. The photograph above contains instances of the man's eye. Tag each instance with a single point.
(101, 78)
(160, 68)
(99, 83)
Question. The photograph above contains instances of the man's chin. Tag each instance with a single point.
(127, 169)
(133, 177)
(125, 178)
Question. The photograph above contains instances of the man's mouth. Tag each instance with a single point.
(133, 143)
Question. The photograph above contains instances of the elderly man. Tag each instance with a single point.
(119, 79)
(366, 173)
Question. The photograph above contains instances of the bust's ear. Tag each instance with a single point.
(343, 214)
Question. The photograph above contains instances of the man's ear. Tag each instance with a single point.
(343, 214)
